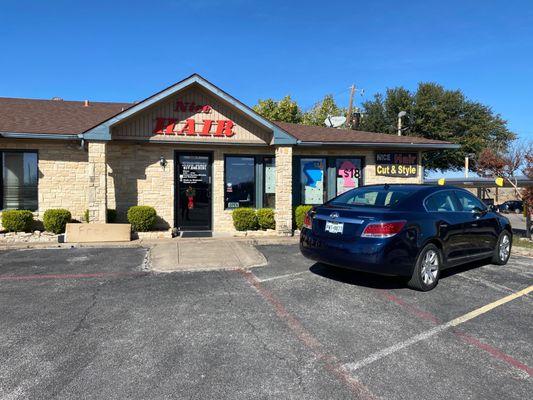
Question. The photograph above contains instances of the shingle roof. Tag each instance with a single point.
(54, 116)
(73, 117)
(307, 133)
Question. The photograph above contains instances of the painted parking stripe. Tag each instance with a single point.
(330, 362)
(283, 276)
(69, 276)
(353, 366)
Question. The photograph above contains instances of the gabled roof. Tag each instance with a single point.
(307, 134)
(60, 119)
(54, 117)
(102, 130)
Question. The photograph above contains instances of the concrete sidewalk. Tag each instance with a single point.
(199, 255)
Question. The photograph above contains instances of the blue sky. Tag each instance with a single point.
(127, 50)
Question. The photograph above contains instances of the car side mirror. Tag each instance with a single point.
(492, 208)
(478, 211)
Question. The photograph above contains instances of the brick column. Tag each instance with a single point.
(97, 191)
(284, 190)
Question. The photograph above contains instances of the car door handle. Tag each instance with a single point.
(474, 225)
(443, 225)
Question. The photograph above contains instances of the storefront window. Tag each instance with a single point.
(269, 198)
(239, 182)
(19, 176)
(312, 180)
(322, 178)
(348, 172)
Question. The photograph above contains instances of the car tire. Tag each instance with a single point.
(427, 269)
(502, 252)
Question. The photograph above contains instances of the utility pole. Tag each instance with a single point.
(466, 166)
(349, 117)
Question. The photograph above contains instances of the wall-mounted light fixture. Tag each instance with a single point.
(162, 162)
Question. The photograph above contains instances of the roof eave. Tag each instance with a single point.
(424, 146)
(43, 136)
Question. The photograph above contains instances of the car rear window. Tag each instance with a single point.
(372, 197)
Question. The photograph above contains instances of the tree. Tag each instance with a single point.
(285, 110)
(507, 165)
(321, 110)
(436, 113)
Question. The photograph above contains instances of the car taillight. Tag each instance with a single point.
(308, 222)
(383, 229)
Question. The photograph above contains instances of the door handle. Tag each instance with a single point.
(443, 225)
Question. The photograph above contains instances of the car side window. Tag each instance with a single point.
(441, 202)
(469, 202)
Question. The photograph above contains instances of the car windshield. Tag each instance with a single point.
(372, 197)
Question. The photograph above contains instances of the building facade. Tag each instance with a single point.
(191, 151)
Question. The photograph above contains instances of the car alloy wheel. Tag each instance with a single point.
(430, 267)
(505, 248)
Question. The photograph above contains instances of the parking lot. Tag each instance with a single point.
(95, 323)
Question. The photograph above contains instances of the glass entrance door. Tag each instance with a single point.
(193, 191)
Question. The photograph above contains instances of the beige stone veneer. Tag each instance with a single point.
(135, 176)
(62, 173)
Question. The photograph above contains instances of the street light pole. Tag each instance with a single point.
(400, 115)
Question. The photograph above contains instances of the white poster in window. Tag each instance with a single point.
(313, 181)
(270, 179)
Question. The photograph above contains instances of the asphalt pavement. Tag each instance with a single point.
(95, 323)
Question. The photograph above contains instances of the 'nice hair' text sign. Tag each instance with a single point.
(191, 127)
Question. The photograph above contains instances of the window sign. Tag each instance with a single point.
(348, 174)
(312, 178)
(269, 197)
(397, 164)
(270, 178)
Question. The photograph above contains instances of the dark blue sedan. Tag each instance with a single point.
(414, 231)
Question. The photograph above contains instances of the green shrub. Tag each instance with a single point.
(299, 215)
(142, 218)
(265, 218)
(55, 220)
(111, 215)
(17, 220)
(86, 216)
(245, 219)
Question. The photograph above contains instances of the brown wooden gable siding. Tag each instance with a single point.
(141, 127)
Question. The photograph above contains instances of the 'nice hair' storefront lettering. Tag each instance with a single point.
(191, 127)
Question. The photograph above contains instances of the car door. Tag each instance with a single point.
(445, 211)
(481, 226)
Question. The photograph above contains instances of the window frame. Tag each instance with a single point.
(7, 150)
(330, 174)
(259, 181)
(263, 188)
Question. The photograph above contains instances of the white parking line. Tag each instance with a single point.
(492, 285)
(353, 366)
(282, 276)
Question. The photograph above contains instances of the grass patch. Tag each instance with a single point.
(527, 244)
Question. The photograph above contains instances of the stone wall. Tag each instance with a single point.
(62, 174)
(135, 177)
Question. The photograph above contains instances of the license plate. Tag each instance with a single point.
(334, 227)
